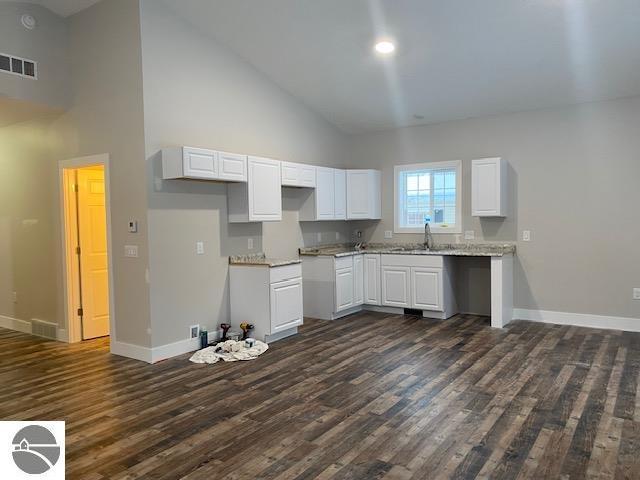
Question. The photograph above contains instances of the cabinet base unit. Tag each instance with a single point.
(268, 297)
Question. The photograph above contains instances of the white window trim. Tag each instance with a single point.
(457, 228)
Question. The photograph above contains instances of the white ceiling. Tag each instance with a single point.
(456, 58)
(64, 8)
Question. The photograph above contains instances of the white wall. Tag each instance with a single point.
(574, 184)
(47, 44)
(198, 93)
(28, 223)
(106, 116)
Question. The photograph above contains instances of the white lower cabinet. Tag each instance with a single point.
(286, 304)
(338, 286)
(396, 286)
(269, 298)
(344, 289)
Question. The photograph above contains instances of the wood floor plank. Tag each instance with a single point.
(370, 396)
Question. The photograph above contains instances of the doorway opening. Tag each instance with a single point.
(86, 244)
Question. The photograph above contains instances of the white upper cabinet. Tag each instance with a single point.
(203, 164)
(260, 199)
(340, 182)
(489, 187)
(321, 202)
(232, 167)
(363, 194)
(298, 175)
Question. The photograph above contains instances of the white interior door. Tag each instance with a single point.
(92, 232)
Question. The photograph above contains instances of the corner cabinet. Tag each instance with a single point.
(363, 194)
(203, 164)
(489, 187)
(260, 199)
(328, 200)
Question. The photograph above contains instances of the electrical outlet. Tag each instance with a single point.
(15, 297)
(194, 331)
(199, 248)
(388, 234)
(319, 237)
(250, 243)
(131, 251)
(469, 235)
(358, 234)
(636, 293)
(526, 235)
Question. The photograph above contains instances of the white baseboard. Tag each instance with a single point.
(578, 319)
(131, 351)
(162, 352)
(15, 324)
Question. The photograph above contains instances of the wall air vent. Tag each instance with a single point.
(18, 66)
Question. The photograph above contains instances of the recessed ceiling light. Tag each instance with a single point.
(385, 47)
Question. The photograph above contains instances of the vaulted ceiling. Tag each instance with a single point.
(455, 58)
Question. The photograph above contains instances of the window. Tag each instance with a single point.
(428, 192)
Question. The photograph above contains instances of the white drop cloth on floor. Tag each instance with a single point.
(232, 352)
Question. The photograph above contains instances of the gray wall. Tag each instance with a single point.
(29, 237)
(47, 44)
(106, 116)
(574, 184)
(198, 93)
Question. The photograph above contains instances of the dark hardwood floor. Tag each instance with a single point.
(370, 396)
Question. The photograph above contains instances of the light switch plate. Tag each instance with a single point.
(636, 293)
(131, 251)
(199, 248)
(250, 243)
(388, 234)
(469, 235)
(133, 226)
(526, 235)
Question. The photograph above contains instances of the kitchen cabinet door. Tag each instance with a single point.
(358, 280)
(340, 181)
(344, 289)
(232, 166)
(286, 304)
(325, 194)
(372, 279)
(265, 190)
(200, 163)
(396, 289)
(426, 288)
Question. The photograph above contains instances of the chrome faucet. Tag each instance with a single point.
(428, 238)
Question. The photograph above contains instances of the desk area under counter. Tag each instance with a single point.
(340, 279)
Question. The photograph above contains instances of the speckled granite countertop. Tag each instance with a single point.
(260, 260)
(454, 249)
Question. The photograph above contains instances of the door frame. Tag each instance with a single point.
(74, 326)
